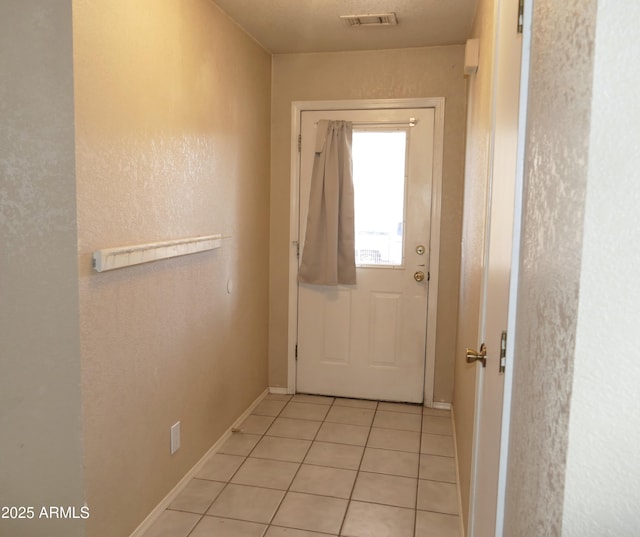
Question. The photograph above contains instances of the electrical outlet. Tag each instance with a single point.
(175, 437)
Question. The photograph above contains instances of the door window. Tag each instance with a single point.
(379, 182)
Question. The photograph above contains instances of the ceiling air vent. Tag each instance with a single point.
(372, 19)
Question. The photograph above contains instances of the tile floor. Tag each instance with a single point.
(309, 466)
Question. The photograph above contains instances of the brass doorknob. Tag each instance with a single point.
(418, 276)
(481, 356)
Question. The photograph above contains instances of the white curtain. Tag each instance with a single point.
(328, 257)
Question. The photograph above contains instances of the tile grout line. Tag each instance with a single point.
(332, 405)
(415, 510)
(358, 471)
(275, 513)
(230, 477)
(436, 481)
(227, 483)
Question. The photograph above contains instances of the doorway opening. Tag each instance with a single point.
(372, 323)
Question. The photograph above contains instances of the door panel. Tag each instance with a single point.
(337, 314)
(384, 336)
(368, 340)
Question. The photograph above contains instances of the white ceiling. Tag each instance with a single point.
(284, 26)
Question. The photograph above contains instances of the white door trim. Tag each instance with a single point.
(515, 269)
(437, 103)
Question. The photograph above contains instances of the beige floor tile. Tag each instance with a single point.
(339, 433)
(397, 420)
(436, 425)
(335, 455)
(197, 496)
(266, 473)
(396, 440)
(438, 468)
(324, 481)
(275, 531)
(355, 403)
(438, 497)
(385, 461)
(437, 444)
(256, 424)
(305, 411)
(240, 444)
(400, 407)
(315, 399)
(223, 527)
(269, 407)
(372, 520)
(309, 512)
(294, 428)
(289, 474)
(281, 449)
(247, 503)
(220, 467)
(386, 489)
(436, 412)
(173, 524)
(351, 415)
(437, 525)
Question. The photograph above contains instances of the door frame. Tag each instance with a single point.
(525, 64)
(297, 107)
(505, 422)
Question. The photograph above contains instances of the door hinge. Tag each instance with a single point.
(298, 250)
(296, 352)
(503, 352)
(299, 143)
(520, 15)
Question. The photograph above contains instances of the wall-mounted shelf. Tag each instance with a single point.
(125, 256)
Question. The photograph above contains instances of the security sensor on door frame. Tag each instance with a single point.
(471, 56)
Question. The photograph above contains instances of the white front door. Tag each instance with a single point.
(497, 271)
(368, 340)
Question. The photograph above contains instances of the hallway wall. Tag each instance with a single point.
(553, 213)
(602, 484)
(172, 139)
(406, 73)
(40, 412)
(575, 427)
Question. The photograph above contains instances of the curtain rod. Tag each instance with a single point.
(410, 123)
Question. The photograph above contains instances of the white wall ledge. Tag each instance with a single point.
(126, 256)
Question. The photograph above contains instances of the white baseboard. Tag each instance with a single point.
(159, 509)
(455, 453)
(278, 390)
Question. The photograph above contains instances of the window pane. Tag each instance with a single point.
(379, 189)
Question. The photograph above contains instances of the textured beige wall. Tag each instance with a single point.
(559, 106)
(40, 412)
(172, 125)
(602, 481)
(475, 187)
(406, 73)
